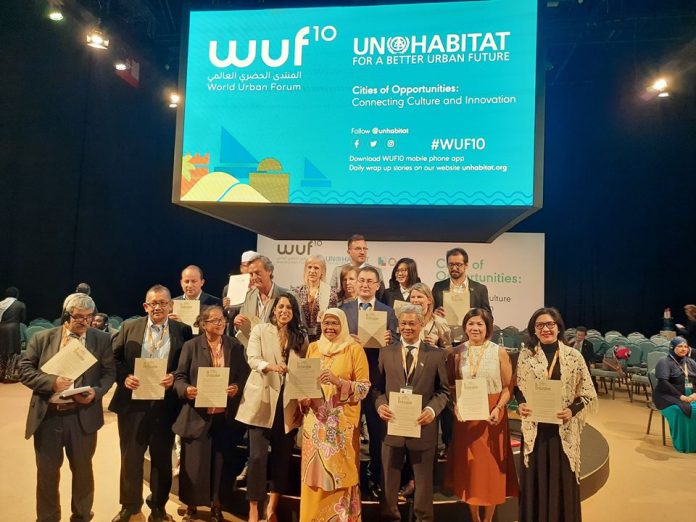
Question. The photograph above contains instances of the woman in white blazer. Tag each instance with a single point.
(272, 419)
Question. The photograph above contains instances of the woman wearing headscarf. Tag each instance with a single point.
(550, 475)
(674, 394)
(271, 416)
(315, 295)
(209, 436)
(330, 438)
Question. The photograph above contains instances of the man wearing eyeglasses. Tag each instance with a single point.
(67, 424)
(147, 424)
(459, 283)
(357, 250)
(367, 285)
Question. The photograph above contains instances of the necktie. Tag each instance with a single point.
(365, 306)
(409, 359)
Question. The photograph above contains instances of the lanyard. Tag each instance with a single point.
(474, 368)
(553, 363)
(154, 347)
(685, 369)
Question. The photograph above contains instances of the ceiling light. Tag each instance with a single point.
(121, 65)
(98, 39)
(55, 14)
(663, 94)
(174, 99)
(660, 84)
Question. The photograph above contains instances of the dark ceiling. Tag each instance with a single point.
(584, 38)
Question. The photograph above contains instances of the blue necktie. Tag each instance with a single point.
(365, 306)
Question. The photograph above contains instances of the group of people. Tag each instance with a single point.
(259, 342)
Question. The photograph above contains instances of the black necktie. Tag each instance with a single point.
(409, 360)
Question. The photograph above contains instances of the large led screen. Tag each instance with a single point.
(416, 104)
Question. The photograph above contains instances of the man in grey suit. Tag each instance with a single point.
(259, 300)
(67, 424)
(411, 366)
(147, 424)
(457, 264)
(367, 287)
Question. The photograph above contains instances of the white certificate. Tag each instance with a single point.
(406, 408)
(150, 373)
(244, 332)
(456, 305)
(187, 311)
(212, 387)
(302, 380)
(71, 361)
(237, 288)
(545, 401)
(472, 399)
(371, 328)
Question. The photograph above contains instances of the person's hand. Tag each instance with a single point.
(226, 301)
(356, 338)
(684, 398)
(495, 417)
(191, 392)
(565, 415)
(173, 317)
(241, 321)
(305, 403)
(439, 311)
(168, 381)
(326, 377)
(232, 390)
(278, 368)
(61, 384)
(385, 413)
(523, 409)
(131, 382)
(426, 417)
(387, 338)
(86, 397)
(431, 339)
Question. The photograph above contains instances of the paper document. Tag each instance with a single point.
(187, 311)
(71, 361)
(244, 332)
(74, 391)
(456, 305)
(212, 387)
(406, 408)
(150, 373)
(545, 401)
(302, 379)
(472, 399)
(237, 288)
(371, 328)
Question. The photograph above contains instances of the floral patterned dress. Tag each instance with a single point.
(330, 440)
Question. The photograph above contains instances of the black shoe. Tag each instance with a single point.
(189, 515)
(374, 490)
(242, 477)
(216, 514)
(408, 489)
(442, 454)
(124, 515)
(159, 515)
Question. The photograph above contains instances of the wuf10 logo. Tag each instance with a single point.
(326, 34)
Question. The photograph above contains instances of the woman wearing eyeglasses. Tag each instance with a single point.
(550, 476)
(403, 277)
(209, 436)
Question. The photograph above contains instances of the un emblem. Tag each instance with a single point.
(397, 44)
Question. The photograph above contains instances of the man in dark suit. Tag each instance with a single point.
(411, 366)
(457, 263)
(585, 346)
(67, 424)
(367, 287)
(147, 424)
(192, 285)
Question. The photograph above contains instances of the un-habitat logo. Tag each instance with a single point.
(303, 38)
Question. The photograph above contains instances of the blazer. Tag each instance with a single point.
(478, 294)
(429, 380)
(15, 313)
(127, 346)
(100, 376)
(390, 295)
(193, 422)
(205, 299)
(351, 310)
(260, 397)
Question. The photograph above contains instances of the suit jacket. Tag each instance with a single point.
(193, 422)
(127, 346)
(587, 352)
(15, 313)
(205, 299)
(249, 305)
(43, 346)
(390, 295)
(429, 380)
(478, 294)
(260, 397)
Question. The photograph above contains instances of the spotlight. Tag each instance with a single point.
(120, 65)
(55, 10)
(659, 85)
(97, 38)
(174, 100)
(663, 94)
(55, 14)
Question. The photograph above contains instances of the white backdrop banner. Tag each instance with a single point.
(512, 267)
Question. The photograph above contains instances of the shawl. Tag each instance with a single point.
(575, 382)
(5, 304)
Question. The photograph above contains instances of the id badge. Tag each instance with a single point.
(688, 389)
(406, 389)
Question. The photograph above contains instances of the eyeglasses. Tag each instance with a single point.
(82, 318)
(401, 271)
(216, 322)
(540, 326)
(456, 265)
(155, 304)
(366, 281)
